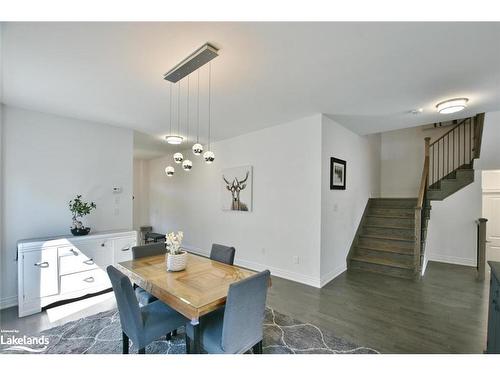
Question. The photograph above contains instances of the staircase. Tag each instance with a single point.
(391, 235)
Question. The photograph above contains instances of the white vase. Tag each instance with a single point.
(176, 262)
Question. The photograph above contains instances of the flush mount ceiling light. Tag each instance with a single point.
(174, 139)
(452, 105)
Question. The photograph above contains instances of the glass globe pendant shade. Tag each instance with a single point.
(187, 165)
(170, 171)
(178, 158)
(209, 157)
(197, 149)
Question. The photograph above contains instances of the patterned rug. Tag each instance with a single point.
(101, 334)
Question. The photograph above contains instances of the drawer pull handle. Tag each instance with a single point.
(126, 249)
(42, 264)
(89, 261)
(89, 279)
(102, 245)
(75, 253)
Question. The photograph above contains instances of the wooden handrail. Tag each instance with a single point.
(418, 209)
(425, 175)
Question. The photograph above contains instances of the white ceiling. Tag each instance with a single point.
(367, 76)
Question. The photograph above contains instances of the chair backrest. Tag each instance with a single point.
(156, 248)
(128, 307)
(221, 253)
(244, 313)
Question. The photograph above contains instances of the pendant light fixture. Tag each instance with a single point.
(209, 156)
(170, 171)
(197, 147)
(187, 164)
(172, 139)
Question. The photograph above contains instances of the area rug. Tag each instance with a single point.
(101, 334)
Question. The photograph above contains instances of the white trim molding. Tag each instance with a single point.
(275, 271)
(329, 276)
(452, 260)
(7, 302)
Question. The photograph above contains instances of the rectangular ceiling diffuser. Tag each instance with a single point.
(194, 61)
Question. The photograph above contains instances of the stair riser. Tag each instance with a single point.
(385, 244)
(388, 203)
(403, 258)
(407, 212)
(390, 232)
(386, 270)
(396, 222)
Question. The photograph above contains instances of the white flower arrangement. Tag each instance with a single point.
(174, 242)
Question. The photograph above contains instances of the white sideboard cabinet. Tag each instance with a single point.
(54, 269)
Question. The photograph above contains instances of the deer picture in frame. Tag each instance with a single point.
(237, 189)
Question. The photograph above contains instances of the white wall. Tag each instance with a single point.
(451, 233)
(402, 160)
(341, 210)
(47, 161)
(490, 151)
(285, 221)
(141, 193)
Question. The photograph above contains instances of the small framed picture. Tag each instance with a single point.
(337, 174)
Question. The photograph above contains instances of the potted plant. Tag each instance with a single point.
(176, 257)
(80, 209)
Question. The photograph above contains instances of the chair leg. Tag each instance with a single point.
(142, 351)
(257, 348)
(168, 336)
(188, 344)
(124, 343)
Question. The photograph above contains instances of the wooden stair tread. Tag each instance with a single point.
(387, 238)
(390, 216)
(382, 262)
(385, 250)
(386, 226)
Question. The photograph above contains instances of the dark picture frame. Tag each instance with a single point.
(338, 169)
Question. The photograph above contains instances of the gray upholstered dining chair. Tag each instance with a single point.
(236, 327)
(221, 253)
(141, 324)
(158, 248)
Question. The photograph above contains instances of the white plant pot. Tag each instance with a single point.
(176, 262)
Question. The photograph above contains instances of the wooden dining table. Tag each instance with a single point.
(198, 290)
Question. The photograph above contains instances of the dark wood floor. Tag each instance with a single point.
(446, 312)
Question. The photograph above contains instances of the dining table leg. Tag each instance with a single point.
(196, 337)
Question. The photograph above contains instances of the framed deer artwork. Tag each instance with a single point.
(236, 189)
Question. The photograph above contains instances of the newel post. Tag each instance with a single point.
(481, 248)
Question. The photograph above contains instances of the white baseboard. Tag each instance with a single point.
(6, 302)
(452, 260)
(285, 274)
(332, 275)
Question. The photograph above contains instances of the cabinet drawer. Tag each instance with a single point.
(72, 260)
(93, 279)
(123, 249)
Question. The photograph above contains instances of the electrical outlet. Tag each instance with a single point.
(263, 250)
(295, 259)
(335, 207)
(117, 211)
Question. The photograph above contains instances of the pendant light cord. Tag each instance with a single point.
(170, 121)
(187, 113)
(179, 109)
(209, 100)
(198, 111)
